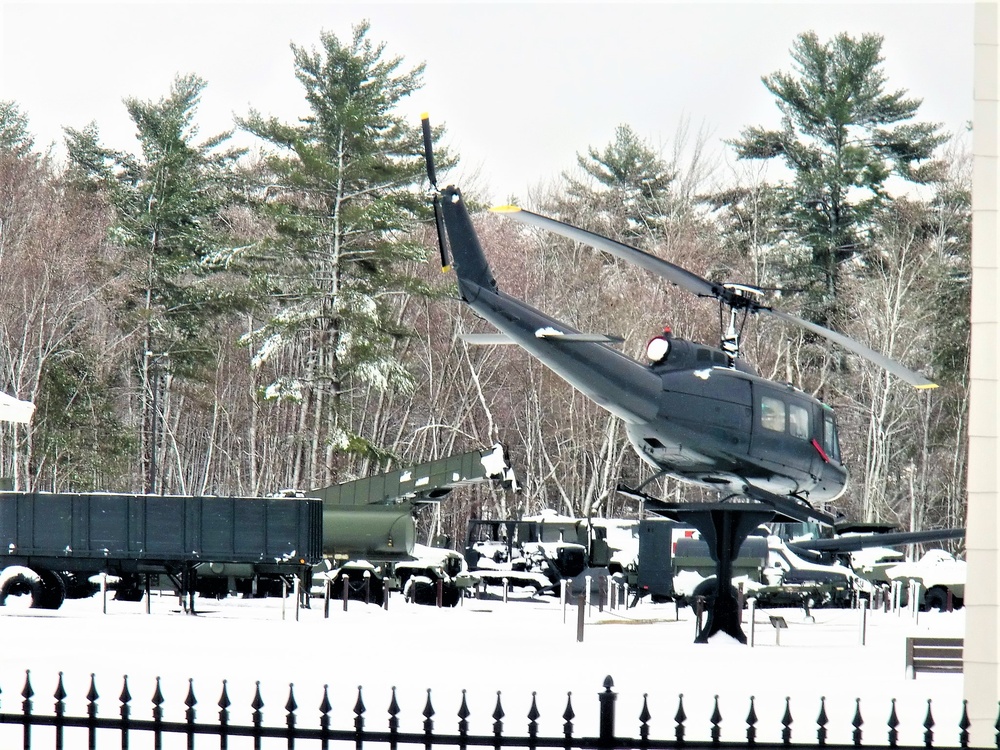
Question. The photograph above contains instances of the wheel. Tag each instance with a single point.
(130, 588)
(706, 589)
(53, 590)
(936, 598)
(18, 580)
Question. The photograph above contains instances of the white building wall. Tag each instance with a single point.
(982, 636)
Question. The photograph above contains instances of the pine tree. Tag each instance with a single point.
(169, 204)
(14, 134)
(625, 185)
(842, 136)
(342, 199)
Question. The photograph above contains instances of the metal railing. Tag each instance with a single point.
(69, 730)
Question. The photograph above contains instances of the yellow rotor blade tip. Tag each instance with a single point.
(926, 387)
(506, 209)
(425, 116)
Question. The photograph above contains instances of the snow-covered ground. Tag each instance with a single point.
(520, 648)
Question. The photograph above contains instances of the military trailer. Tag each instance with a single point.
(52, 543)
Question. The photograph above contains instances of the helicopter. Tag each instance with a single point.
(697, 413)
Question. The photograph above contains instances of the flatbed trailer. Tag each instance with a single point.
(46, 536)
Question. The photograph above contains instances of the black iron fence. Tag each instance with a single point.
(98, 731)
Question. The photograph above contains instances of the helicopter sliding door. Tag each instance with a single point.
(783, 432)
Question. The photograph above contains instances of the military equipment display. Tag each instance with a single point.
(54, 542)
(370, 523)
(694, 412)
(49, 540)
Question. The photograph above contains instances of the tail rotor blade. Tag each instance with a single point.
(442, 241)
(425, 123)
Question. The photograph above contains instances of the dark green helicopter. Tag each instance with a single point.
(697, 413)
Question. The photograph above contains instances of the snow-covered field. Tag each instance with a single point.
(520, 648)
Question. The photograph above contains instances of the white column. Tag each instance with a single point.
(982, 594)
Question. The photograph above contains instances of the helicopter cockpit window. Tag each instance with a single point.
(798, 421)
(772, 414)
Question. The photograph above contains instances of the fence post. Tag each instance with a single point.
(752, 615)
(326, 599)
(587, 592)
(347, 587)
(562, 597)
(580, 616)
(104, 591)
(297, 595)
(607, 698)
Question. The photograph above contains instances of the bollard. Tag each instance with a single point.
(739, 601)
(562, 598)
(347, 588)
(580, 617)
(439, 593)
(752, 615)
(586, 593)
(284, 596)
(612, 593)
(385, 596)
(368, 586)
(326, 599)
(601, 587)
(295, 593)
(864, 622)
(149, 596)
(506, 589)
(699, 609)
(104, 591)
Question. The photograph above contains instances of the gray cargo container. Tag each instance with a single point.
(56, 533)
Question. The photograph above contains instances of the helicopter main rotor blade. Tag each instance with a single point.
(913, 378)
(694, 283)
(682, 277)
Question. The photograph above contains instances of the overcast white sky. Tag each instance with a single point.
(522, 87)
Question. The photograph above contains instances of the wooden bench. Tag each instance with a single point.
(925, 654)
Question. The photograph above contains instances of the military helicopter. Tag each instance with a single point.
(697, 413)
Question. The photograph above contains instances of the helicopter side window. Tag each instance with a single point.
(772, 414)
(703, 355)
(830, 443)
(798, 421)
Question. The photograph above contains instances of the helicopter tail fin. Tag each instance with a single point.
(454, 226)
(467, 255)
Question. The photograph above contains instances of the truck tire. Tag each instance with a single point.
(17, 580)
(53, 590)
(936, 598)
